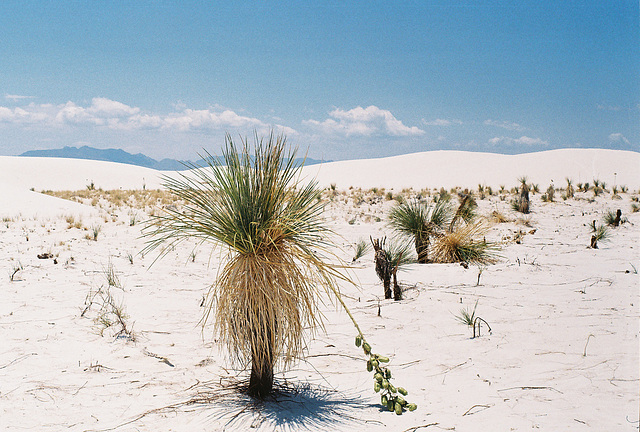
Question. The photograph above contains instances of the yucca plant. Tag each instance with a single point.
(466, 210)
(521, 204)
(466, 244)
(421, 222)
(599, 233)
(570, 191)
(612, 218)
(360, 249)
(266, 294)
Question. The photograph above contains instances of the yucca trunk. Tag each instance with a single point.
(262, 362)
(397, 292)
(422, 248)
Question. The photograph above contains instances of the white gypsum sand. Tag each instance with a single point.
(562, 355)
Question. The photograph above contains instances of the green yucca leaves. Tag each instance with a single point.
(265, 296)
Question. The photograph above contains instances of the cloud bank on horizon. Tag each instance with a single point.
(342, 81)
(358, 126)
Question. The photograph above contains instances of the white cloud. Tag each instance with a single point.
(442, 122)
(363, 122)
(504, 125)
(614, 137)
(523, 140)
(603, 107)
(16, 98)
(116, 115)
(102, 107)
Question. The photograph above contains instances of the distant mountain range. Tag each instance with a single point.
(121, 156)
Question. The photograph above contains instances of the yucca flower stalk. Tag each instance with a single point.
(422, 222)
(266, 294)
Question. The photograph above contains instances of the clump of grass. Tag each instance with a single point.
(549, 194)
(635, 208)
(111, 314)
(599, 233)
(498, 217)
(569, 190)
(361, 247)
(95, 232)
(470, 319)
(111, 276)
(466, 244)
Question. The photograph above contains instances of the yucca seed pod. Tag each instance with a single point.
(402, 391)
(383, 359)
(369, 366)
(376, 386)
(392, 389)
(387, 373)
(398, 408)
(366, 347)
(378, 377)
(385, 384)
(358, 341)
(390, 405)
(374, 363)
(384, 400)
(401, 401)
(412, 407)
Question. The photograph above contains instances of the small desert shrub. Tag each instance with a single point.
(569, 191)
(549, 194)
(95, 232)
(360, 249)
(389, 258)
(522, 203)
(111, 276)
(466, 316)
(466, 210)
(498, 217)
(421, 222)
(133, 217)
(470, 319)
(466, 244)
(635, 208)
(599, 233)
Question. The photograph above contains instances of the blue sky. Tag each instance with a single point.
(342, 80)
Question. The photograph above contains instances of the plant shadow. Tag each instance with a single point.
(299, 406)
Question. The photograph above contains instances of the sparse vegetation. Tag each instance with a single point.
(421, 222)
(600, 233)
(466, 244)
(522, 203)
(470, 319)
(361, 247)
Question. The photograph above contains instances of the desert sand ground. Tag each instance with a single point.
(562, 354)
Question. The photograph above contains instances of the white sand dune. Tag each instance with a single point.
(563, 354)
(467, 169)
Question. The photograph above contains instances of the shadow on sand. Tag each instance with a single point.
(291, 407)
